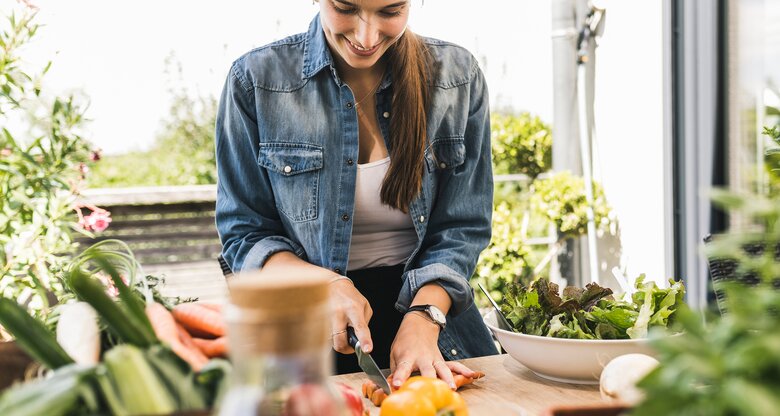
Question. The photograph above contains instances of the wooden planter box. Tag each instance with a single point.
(14, 364)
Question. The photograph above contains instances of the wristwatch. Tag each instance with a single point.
(434, 313)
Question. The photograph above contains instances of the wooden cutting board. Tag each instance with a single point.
(508, 388)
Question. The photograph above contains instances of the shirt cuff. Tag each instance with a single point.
(456, 286)
(267, 247)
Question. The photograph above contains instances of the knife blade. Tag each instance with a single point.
(503, 323)
(367, 363)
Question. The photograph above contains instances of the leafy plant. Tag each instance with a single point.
(560, 199)
(506, 259)
(731, 364)
(589, 313)
(43, 162)
(521, 144)
(137, 374)
(525, 209)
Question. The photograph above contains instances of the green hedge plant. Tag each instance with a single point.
(43, 163)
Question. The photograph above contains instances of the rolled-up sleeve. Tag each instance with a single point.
(459, 226)
(246, 216)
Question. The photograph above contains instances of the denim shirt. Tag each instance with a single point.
(287, 151)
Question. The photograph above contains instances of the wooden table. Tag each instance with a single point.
(508, 388)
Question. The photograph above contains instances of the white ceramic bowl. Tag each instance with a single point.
(578, 361)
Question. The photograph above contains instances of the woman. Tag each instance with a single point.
(361, 151)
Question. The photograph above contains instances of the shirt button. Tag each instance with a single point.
(350, 162)
(443, 165)
(287, 169)
(422, 218)
(454, 351)
(386, 114)
(345, 217)
(349, 104)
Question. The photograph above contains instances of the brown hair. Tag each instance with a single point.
(409, 67)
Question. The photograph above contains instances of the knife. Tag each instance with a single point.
(503, 323)
(366, 363)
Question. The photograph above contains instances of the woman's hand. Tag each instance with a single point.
(416, 348)
(350, 309)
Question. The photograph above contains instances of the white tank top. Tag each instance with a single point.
(381, 235)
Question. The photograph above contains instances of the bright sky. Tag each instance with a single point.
(115, 52)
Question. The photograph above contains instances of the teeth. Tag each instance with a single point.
(357, 47)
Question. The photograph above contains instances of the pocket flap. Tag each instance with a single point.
(290, 158)
(446, 153)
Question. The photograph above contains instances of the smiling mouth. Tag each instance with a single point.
(361, 50)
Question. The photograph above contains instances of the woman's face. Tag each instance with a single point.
(361, 31)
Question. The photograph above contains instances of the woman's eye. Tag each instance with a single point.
(345, 11)
(391, 13)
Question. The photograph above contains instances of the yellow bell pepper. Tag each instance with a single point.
(424, 396)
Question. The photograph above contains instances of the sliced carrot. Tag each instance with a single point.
(199, 319)
(212, 347)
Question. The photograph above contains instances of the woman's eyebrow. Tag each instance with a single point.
(397, 4)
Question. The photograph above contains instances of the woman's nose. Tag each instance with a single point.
(366, 33)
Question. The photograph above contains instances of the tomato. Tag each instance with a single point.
(407, 403)
(352, 399)
(311, 400)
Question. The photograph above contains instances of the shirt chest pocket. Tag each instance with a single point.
(294, 171)
(445, 153)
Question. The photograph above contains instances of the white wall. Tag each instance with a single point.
(629, 123)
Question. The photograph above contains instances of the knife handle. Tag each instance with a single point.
(351, 337)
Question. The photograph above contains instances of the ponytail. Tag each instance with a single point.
(409, 67)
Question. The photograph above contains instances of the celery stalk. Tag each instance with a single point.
(137, 386)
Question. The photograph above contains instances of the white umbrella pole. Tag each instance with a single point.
(587, 174)
(591, 24)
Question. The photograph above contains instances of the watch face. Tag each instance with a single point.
(437, 315)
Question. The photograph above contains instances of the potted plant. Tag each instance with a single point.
(730, 364)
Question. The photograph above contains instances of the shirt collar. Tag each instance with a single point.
(316, 54)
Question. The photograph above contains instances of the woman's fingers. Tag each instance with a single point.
(458, 368)
(363, 335)
(426, 369)
(339, 335)
(350, 309)
(444, 373)
(403, 369)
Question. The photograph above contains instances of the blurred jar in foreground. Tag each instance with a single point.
(279, 339)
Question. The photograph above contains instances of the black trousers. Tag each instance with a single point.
(380, 286)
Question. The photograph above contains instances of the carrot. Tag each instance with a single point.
(373, 393)
(212, 347)
(166, 330)
(199, 319)
(376, 395)
(163, 323)
(185, 338)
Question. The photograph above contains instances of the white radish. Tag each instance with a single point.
(619, 377)
(78, 332)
